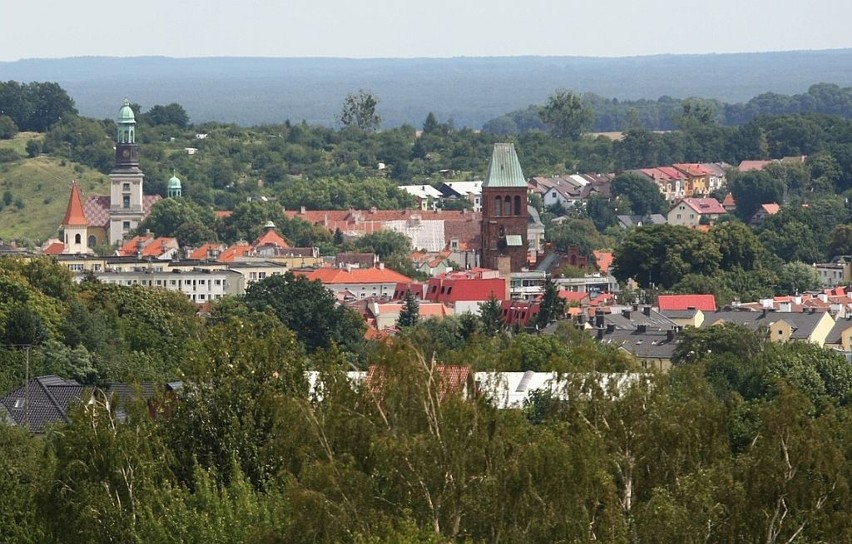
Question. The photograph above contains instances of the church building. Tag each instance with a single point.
(504, 212)
(110, 219)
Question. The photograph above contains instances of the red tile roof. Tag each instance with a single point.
(271, 238)
(55, 248)
(770, 209)
(573, 296)
(342, 276)
(729, 201)
(206, 251)
(705, 303)
(450, 289)
(74, 214)
(603, 260)
(236, 250)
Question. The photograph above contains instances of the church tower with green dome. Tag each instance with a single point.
(173, 189)
(126, 200)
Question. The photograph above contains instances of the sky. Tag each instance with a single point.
(409, 28)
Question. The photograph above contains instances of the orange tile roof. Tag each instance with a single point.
(340, 276)
(205, 250)
(603, 260)
(355, 275)
(223, 214)
(74, 215)
(271, 238)
(236, 250)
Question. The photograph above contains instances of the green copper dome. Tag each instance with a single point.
(125, 114)
(174, 183)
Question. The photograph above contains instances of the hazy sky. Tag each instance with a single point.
(408, 28)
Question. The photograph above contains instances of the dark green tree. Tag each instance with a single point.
(491, 316)
(566, 115)
(171, 114)
(308, 309)
(409, 314)
(359, 111)
(8, 128)
(551, 307)
(643, 194)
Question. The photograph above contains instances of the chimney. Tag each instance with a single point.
(763, 313)
(381, 266)
(643, 328)
(647, 311)
(670, 334)
(626, 314)
(599, 319)
(600, 334)
(610, 327)
(302, 210)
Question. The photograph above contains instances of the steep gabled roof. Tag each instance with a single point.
(703, 205)
(504, 170)
(44, 401)
(271, 238)
(74, 214)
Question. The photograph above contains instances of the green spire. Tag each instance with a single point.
(126, 122)
(504, 170)
(173, 189)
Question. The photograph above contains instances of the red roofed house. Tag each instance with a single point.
(747, 166)
(161, 248)
(357, 282)
(705, 303)
(603, 260)
(763, 212)
(465, 290)
(268, 243)
(692, 212)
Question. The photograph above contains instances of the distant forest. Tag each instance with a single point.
(468, 91)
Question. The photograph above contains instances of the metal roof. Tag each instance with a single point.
(504, 170)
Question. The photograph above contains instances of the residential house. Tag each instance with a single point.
(631, 221)
(764, 211)
(808, 326)
(836, 272)
(692, 212)
(356, 283)
(147, 245)
(463, 291)
(463, 190)
(427, 196)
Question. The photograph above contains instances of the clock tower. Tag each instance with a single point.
(504, 211)
(125, 210)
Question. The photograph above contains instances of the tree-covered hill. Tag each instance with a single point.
(252, 91)
(34, 191)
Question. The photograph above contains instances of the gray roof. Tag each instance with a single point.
(504, 170)
(803, 323)
(679, 314)
(655, 320)
(836, 331)
(650, 344)
(44, 402)
(628, 221)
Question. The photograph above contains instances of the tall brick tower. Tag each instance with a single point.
(504, 210)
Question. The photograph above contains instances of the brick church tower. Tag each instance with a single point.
(504, 210)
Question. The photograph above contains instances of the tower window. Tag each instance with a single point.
(507, 207)
(77, 238)
(498, 206)
(126, 226)
(93, 241)
(517, 205)
(125, 201)
(125, 187)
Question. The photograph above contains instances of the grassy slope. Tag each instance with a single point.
(43, 184)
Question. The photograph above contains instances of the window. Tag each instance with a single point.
(76, 267)
(218, 282)
(261, 275)
(125, 226)
(93, 241)
(517, 205)
(498, 206)
(125, 201)
(77, 238)
(125, 187)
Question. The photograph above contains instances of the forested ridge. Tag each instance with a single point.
(742, 441)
